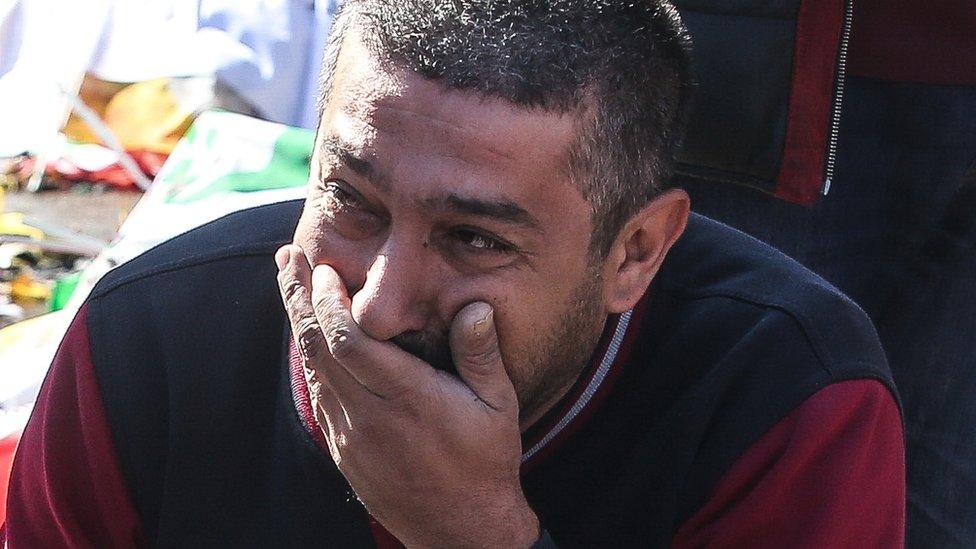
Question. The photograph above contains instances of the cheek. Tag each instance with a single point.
(515, 338)
(522, 319)
(453, 292)
(530, 321)
(323, 246)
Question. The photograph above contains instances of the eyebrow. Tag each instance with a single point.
(505, 211)
(343, 152)
(502, 210)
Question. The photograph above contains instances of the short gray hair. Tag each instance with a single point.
(623, 66)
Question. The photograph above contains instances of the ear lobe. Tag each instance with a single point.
(641, 246)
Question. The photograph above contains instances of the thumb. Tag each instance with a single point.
(474, 347)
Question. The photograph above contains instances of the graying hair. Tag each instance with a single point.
(621, 66)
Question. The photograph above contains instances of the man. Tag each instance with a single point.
(498, 328)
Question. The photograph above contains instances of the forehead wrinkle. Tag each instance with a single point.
(402, 110)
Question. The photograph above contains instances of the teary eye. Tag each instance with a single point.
(344, 209)
(341, 196)
(481, 242)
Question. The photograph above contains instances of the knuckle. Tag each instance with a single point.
(484, 357)
(308, 325)
(343, 345)
(323, 301)
(283, 275)
(309, 338)
(315, 387)
(291, 289)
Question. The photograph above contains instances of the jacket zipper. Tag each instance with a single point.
(834, 134)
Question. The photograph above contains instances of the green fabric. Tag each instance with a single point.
(218, 153)
(63, 288)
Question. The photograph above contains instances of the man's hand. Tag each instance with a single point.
(435, 459)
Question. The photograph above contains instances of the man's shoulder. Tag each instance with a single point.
(250, 233)
(732, 278)
(201, 303)
(738, 335)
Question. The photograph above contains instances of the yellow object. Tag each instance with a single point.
(145, 116)
(12, 224)
(96, 93)
(23, 286)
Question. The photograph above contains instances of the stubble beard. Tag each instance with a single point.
(562, 353)
(549, 366)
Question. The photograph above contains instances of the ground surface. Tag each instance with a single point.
(79, 210)
(95, 214)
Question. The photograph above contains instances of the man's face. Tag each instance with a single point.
(425, 199)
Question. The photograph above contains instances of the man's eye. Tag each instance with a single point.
(346, 211)
(482, 243)
(341, 196)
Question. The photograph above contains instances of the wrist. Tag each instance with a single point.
(512, 525)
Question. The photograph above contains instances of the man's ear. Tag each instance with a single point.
(639, 249)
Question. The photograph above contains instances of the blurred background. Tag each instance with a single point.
(124, 123)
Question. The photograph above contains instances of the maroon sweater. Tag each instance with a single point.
(830, 474)
(742, 401)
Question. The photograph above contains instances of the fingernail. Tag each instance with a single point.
(282, 257)
(481, 327)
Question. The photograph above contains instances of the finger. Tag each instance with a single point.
(474, 346)
(378, 366)
(324, 406)
(295, 283)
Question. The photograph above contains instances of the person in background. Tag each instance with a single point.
(844, 133)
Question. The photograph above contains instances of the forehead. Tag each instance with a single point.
(373, 106)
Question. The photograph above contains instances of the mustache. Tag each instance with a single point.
(432, 347)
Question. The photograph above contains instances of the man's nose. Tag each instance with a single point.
(394, 297)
